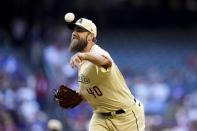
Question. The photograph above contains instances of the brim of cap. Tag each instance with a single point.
(73, 25)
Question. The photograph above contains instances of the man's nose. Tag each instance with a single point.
(74, 33)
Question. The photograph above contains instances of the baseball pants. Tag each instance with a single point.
(132, 120)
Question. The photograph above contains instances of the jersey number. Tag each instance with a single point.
(95, 91)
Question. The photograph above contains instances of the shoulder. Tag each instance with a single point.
(96, 48)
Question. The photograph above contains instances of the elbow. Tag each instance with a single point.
(107, 63)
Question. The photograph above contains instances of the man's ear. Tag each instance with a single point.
(90, 37)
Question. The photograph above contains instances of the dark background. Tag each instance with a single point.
(106, 14)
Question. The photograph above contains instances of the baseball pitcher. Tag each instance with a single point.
(101, 83)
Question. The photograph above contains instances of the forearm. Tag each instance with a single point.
(97, 59)
(93, 57)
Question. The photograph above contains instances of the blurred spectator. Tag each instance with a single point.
(54, 125)
(6, 121)
(40, 121)
(193, 125)
(191, 61)
(41, 89)
(19, 29)
(36, 55)
(55, 56)
(141, 90)
(27, 104)
(160, 92)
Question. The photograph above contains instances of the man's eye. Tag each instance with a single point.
(80, 30)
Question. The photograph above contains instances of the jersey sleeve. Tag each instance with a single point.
(105, 54)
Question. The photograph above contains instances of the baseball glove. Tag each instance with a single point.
(66, 97)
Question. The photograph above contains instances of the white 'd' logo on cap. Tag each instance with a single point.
(80, 20)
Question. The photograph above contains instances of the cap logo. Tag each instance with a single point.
(80, 20)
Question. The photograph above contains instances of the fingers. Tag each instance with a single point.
(75, 61)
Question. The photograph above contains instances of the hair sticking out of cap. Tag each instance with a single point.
(69, 17)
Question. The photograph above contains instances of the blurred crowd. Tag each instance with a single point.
(29, 73)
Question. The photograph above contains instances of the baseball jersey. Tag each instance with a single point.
(104, 89)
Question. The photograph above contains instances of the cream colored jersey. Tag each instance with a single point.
(104, 89)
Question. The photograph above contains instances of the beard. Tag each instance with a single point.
(77, 45)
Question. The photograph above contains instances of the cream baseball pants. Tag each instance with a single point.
(133, 119)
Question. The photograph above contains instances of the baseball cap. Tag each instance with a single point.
(84, 24)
